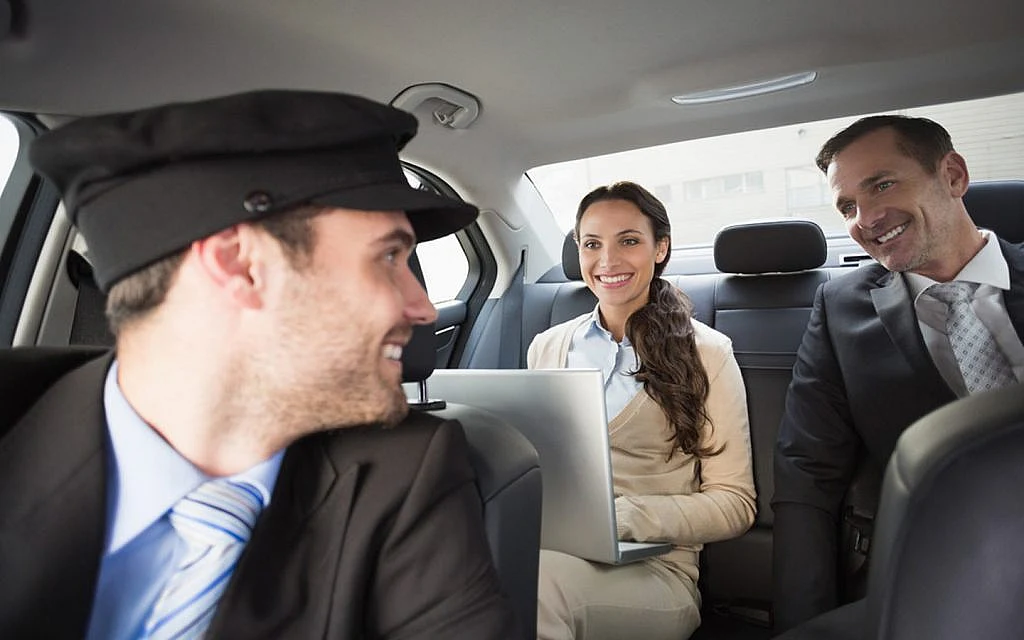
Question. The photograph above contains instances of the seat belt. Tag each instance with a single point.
(510, 356)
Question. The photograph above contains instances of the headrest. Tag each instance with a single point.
(571, 258)
(420, 355)
(998, 205)
(782, 246)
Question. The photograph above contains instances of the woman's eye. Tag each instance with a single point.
(882, 186)
(629, 242)
(590, 244)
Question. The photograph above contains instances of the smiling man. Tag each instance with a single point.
(939, 317)
(230, 470)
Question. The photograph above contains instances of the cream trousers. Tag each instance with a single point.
(583, 600)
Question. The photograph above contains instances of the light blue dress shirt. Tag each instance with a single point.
(145, 478)
(593, 347)
(989, 270)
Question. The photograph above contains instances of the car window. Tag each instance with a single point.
(709, 183)
(8, 149)
(443, 261)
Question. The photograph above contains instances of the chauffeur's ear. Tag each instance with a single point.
(233, 261)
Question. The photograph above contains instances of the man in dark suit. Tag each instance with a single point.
(876, 355)
(210, 478)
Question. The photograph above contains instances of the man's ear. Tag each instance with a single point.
(954, 173)
(232, 261)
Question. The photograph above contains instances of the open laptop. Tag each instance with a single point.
(562, 412)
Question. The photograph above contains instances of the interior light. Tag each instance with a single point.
(747, 90)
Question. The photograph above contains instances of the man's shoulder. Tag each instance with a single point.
(856, 283)
(404, 445)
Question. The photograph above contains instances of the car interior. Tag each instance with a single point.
(718, 108)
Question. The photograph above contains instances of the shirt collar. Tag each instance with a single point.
(594, 327)
(987, 267)
(147, 476)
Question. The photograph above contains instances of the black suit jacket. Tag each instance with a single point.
(371, 533)
(863, 375)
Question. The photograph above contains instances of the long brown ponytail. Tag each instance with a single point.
(662, 334)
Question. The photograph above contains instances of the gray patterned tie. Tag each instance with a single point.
(982, 363)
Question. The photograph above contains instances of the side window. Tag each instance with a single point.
(8, 147)
(445, 267)
(10, 144)
(443, 261)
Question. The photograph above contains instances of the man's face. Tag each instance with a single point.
(903, 216)
(340, 322)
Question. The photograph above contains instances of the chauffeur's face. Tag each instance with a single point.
(344, 318)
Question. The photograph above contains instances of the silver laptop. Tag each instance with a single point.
(562, 412)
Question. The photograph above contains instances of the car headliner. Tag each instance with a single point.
(556, 79)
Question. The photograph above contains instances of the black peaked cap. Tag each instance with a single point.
(145, 184)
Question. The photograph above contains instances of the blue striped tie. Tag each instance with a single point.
(216, 521)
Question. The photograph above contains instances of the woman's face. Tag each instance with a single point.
(618, 253)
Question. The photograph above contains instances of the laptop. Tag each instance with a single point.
(562, 412)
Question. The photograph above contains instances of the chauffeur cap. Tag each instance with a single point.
(145, 184)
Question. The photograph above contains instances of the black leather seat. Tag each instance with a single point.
(508, 477)
(762, 302)
(950, 534)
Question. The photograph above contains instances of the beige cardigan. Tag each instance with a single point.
(684, 500)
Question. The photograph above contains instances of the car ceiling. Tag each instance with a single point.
(556, 79)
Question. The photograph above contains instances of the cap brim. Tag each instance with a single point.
(431, 215)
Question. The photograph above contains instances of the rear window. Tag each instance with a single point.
(710, 183)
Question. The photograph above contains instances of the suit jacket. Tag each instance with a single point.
(371, 533)
(863, 375)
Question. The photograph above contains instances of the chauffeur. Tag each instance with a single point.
(209, 477)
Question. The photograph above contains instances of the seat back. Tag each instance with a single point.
(998, 205)
(949, 534)
(762, 302)
(508, 477)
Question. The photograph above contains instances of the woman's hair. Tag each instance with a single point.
(662, 335)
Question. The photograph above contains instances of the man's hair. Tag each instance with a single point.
(136, 295)
(919, 138)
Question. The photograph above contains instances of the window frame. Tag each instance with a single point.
(28, 205)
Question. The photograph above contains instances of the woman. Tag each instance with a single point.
(680, 444)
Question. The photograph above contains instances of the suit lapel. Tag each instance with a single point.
(282, 585)
(1014, 298)
(52, 527)
(896, 311)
